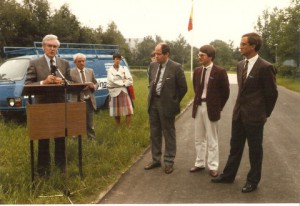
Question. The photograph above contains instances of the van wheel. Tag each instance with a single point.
(15, 116)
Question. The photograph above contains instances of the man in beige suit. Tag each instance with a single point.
(81, 74)
(40, 73)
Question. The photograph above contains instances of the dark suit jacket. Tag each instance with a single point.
(257, 97)
(173, 87)
(217, 91)
(39, 70)
(90, 77)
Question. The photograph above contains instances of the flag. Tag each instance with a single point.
(190, 26)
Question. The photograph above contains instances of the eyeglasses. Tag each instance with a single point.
(201, 55)
(52, 46)
(158, 54)
(244, 44)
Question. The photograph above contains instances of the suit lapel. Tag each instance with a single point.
(251, 74)
(44, 64)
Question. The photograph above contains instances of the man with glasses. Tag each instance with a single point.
(211, 88)
(167, 87)
(255, 102)
(42, 71)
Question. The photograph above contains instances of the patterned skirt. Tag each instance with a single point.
(120, 105)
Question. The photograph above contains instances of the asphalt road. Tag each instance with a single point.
(281, 169)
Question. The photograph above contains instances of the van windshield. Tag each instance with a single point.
(13, 70)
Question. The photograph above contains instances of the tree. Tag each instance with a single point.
(113, 36)
(224, 54)
(180, 51)
(38, 12)
(281, 34)
(144, 50)
(13, 18)
(65, 25)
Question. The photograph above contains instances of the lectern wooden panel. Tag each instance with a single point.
(46, 121)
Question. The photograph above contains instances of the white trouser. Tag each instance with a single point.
(206, 139)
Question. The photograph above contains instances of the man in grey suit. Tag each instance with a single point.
(255, 102)
(41, 72)
(81, 74)
(167, 87)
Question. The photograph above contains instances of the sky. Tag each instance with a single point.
(225, 20)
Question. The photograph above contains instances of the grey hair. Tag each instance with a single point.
(78, 55)
(51, 37)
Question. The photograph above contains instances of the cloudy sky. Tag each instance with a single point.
(213, 19)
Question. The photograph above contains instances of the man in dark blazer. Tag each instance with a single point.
(40, 73)
(211, 88)
(255, 102)
(167, 87)
(88, 93)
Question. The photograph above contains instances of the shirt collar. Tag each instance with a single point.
(48, 59)
(80, 70)
(209, 67)
(164, 64)
(253, 59)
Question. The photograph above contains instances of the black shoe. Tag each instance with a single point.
(249, 187)
(152, 165)
(169, 169)
(221, 179)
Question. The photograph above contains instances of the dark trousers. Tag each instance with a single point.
(162, 126)
(44, 155)
(90, 119)
(239, 134)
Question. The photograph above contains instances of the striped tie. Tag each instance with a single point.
(244, 74)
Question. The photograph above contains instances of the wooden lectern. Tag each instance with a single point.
(65, 119)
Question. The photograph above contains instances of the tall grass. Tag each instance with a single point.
(104, 160)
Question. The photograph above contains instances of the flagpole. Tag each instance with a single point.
(190, 29)
(192, 55)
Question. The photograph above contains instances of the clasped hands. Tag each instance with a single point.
(51, 79)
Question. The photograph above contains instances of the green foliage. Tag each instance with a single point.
(104, 160)
(281, 33)
(289, 83)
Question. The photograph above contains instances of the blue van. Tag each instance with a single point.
(13, 72)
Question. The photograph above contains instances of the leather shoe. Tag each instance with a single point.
(169, 169)
(152, 165)
(195, 169)
(249, 187)
(221, 179)
(213, 173)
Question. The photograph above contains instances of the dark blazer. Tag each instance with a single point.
(90, 77)
(38, 70)
(257, 97)
(173, 87)
(217, 91)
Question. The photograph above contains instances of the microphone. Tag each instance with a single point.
(53, 70)
(62, 76)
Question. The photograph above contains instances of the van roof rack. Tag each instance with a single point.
(65, 48)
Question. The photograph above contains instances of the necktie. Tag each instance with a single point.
(202, 81)
(244, 74)
(82, 76)
(157, 79)
(52, 67)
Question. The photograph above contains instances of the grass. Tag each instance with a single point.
(289, 83)
(102, 163)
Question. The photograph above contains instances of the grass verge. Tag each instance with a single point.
(103, 162)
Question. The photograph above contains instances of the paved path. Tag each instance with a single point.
(281, 169)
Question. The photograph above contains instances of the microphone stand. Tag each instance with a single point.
(66, 84)
(66, 192)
